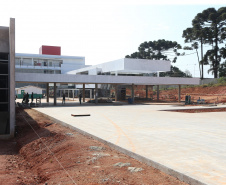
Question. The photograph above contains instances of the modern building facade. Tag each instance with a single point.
(47, 64)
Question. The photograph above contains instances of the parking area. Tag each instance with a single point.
(193, 144)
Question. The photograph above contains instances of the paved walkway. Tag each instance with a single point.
(193, 144)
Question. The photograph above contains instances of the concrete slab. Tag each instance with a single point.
(193, 144)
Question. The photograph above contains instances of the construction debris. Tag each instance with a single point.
(134, 169)
(120, 164)
(75, 115)
(97, 148)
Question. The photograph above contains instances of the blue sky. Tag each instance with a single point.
(102, 30)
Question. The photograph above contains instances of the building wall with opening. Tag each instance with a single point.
(7, 80)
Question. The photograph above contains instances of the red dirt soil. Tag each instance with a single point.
(200, 110)
(209, 94)
(44, 152)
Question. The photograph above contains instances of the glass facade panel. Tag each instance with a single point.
(27, 62)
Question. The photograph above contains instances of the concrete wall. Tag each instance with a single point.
(7, 46)
(146, 65)
(208, 80)
(4, 39)
(12, 76)
(128, 66)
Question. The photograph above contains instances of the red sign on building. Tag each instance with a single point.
(50, 50)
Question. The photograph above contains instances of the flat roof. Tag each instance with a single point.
(47, 56)
(103, 79)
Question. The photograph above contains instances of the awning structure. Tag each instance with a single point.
(103, 79)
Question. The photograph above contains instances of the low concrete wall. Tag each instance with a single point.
(208, 80)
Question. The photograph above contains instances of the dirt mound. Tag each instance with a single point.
(47, 153)
(213, 94)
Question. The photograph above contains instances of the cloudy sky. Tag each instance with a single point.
(102, 30)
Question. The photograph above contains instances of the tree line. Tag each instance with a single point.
(208, 28)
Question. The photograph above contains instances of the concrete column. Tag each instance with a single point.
(68, 94)
(132, 92)
(179, 93)
(11, 77)
(73, 91)
(96, 93)
(55, 94)
(116, 92)
(47, 92)
(83, 92)
(90, 93)
(147, 91)
(157, 92)
(151, 88)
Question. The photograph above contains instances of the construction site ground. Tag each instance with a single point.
(44, 152)
(190, 144)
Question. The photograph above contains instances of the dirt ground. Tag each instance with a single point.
(209, 94)
(201, 110)
(44, 152)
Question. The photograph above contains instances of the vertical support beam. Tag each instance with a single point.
(179, 93)
(132, 92)
(47, 92)
(116, 92)
(146, 91)
(11, 64)
(83, 92)
(55, 93)
(90, 93)
(73, 91)
(96, 93)
(157, 92)
(68, 94)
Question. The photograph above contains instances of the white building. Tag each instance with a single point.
(48, 64)
(50, 67)
(126, 67)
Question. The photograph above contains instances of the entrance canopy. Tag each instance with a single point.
(103, 79)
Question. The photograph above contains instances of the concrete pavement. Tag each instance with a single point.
(193, 144)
